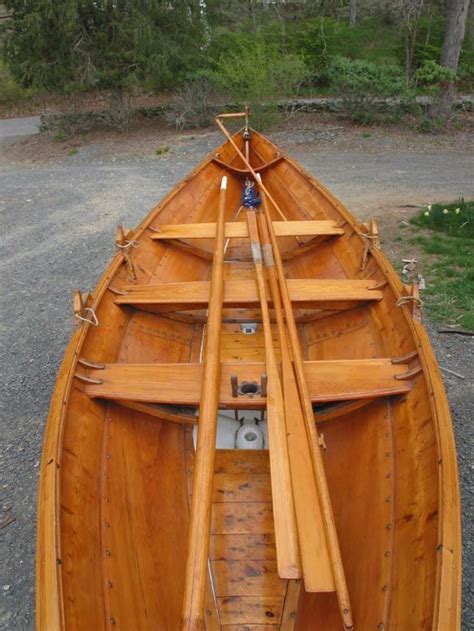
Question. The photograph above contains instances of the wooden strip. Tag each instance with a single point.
(199, 529)
(251, 461)
(159, 413)
(290, 608)
(236, 518)
(262, 167)
(305, 293)
(250, 610)
(315, 559)
(241, 487)
(286, 538)
(247, 578)
(304, 393)
(336, 380)
(239, 230)
(242, 547)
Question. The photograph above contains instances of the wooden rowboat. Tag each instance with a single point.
(249, 430)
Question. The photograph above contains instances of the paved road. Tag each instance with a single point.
(58, 225)
(15, 129)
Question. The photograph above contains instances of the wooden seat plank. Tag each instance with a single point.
(181, 383)
(239, 230)
(307, 293)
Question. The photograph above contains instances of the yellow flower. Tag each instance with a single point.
(429, 207)
(445, 211)
(457, 211)
(426, 213)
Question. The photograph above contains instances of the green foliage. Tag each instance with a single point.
(449, 295)
(10, 91)
(363, 87)
(456, 219)
(432, 75)
(445, 250)
(259, 74)
(83, 44)
(448, 240)
(322, 39)
(427, 53)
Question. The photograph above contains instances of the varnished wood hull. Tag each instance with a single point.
(116, 479)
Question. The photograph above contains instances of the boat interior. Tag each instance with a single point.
(129, 421)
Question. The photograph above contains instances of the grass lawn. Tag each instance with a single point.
(444, 236)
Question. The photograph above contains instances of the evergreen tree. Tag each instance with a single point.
(103, 43)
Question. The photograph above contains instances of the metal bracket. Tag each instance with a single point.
(248, 389)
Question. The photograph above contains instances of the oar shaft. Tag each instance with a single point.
(247, 163)
(326, 508)
(315, 560)
(286, 537)
(199, 530)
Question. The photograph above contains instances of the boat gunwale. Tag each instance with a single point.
(52, 617)
(449, 505)
(447, 609)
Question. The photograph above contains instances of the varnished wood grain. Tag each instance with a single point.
(327, 381)
(390, 465)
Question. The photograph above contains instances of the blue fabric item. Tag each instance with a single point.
(249, 199)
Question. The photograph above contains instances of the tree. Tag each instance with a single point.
(107, 44)
(441, 108)
(411, 12)
(352, 13)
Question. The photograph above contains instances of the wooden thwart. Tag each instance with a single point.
(239, 230)
(305, 293)
(180, 384)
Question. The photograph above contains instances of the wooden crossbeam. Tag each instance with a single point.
(239, 230)
(180, 384)
(304, 293)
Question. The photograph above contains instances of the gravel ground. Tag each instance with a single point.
(58, 222)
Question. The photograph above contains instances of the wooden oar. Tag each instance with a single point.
(246, 162)
(312, 436)
(199, 529)
(326, 508)
(286, 537)
(315, 560)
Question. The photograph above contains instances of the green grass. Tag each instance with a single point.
(448, 240)
(455, 219)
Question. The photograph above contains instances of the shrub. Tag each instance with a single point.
(10, 91)
(193, 105)
(432, 75)
(364, 88)
(260, 75)
(321, 39)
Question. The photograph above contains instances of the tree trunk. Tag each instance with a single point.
(458, 10)
(454, 33)
(352, 13)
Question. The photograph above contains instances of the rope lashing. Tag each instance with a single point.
(128, 244)
(93, 318)
(372, 238)
(249, 198)
(405, 300)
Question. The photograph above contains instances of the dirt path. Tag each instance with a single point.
(59, 213)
